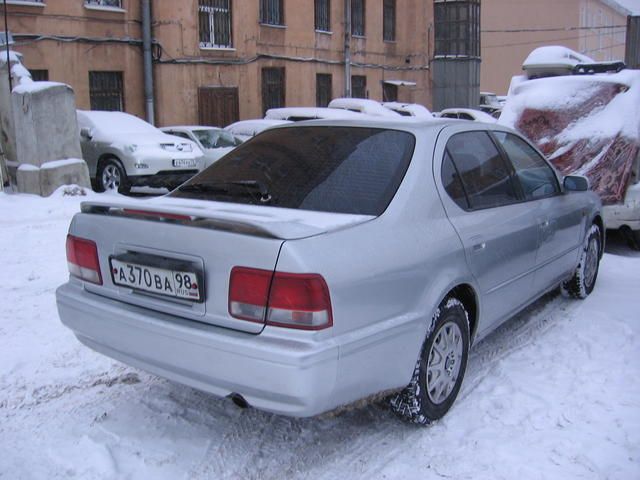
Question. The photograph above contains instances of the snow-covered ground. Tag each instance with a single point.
(554, 393)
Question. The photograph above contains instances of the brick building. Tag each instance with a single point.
(217, 61)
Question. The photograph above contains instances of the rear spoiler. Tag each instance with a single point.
(186, 217)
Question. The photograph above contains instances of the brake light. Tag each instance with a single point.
(82, 259)
(158, 215)
(293, 300)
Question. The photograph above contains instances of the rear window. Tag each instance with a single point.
(353, 170)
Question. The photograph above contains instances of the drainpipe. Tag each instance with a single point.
(347, 48)
(148, 61)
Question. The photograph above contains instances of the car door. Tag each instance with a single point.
(497, 230)
(561, 217)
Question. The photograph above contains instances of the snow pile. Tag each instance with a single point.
(309, 113)
(52, 164)
(585, 124)
(362, 105)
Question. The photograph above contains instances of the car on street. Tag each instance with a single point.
(324, 262)
(123, 151)
(213, 141)
(246, 129)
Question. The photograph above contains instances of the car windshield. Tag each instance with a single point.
(353, 170)
(215, 138)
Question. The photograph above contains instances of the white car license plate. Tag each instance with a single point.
(172, 283)
(184, 162)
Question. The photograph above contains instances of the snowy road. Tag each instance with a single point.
(554, 393)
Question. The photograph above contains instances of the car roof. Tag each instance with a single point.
(190, 127)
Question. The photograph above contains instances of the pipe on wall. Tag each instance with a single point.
(147, 61)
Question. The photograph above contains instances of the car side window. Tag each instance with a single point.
(536, 177)
(180, 134)
(485, 176)
(452, 183)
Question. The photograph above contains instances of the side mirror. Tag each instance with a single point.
(575, 183)
(85, 133)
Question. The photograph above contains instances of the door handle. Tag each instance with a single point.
(478, 247)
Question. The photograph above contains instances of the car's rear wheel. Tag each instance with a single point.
(438, 374)
(584, 277)
(112, 177)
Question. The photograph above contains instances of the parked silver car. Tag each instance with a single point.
(213, 141)
(122, 151)
(327, 261)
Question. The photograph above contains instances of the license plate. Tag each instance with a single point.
(172, 283)
(184, 162)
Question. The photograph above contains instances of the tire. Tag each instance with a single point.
(112, 177)
(427, 398)
(584, 277)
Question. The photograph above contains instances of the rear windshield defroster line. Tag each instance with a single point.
(353, 170)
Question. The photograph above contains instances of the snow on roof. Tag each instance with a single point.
(309, 113)
(14, 57)
(113, 123)
(620, 115)
(250, 128)
(477, 115)
(585, 124)
(413, 109)
(34, 87)
(363, 105)
(555, 56)
(190, 127)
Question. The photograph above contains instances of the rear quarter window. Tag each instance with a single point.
(355, 170)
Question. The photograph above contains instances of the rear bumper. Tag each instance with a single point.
(279, 375)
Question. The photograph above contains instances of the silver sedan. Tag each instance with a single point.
(324, 262)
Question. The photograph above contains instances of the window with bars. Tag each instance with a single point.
(323, 89)
(389, 20)
(272, 12)
(39, 75)
(389, 92)
(457, 27)
(357, 17)
(214, 17)
(105, 91)
(104, 3)
(359, 86)
(272, 88)
(323, 15)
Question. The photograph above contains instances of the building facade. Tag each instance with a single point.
(511, 29)
(218, 61)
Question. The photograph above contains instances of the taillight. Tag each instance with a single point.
(294, 300)
(82, 259)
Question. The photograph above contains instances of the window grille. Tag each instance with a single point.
(359, 86)
(357, 17)
(323, 15)
(272, 12)
(323, 89)
(457, 28)
(105, 91)
(104, 3)
(389, 20)
(273, 94)
(214, 17)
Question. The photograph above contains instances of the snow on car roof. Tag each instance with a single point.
(555, 55)
(363, 105)
(309, 113)
(586, 124)
(253, 127)
(478, 115)
(414, 109)
(114, 123)
(190, 127)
